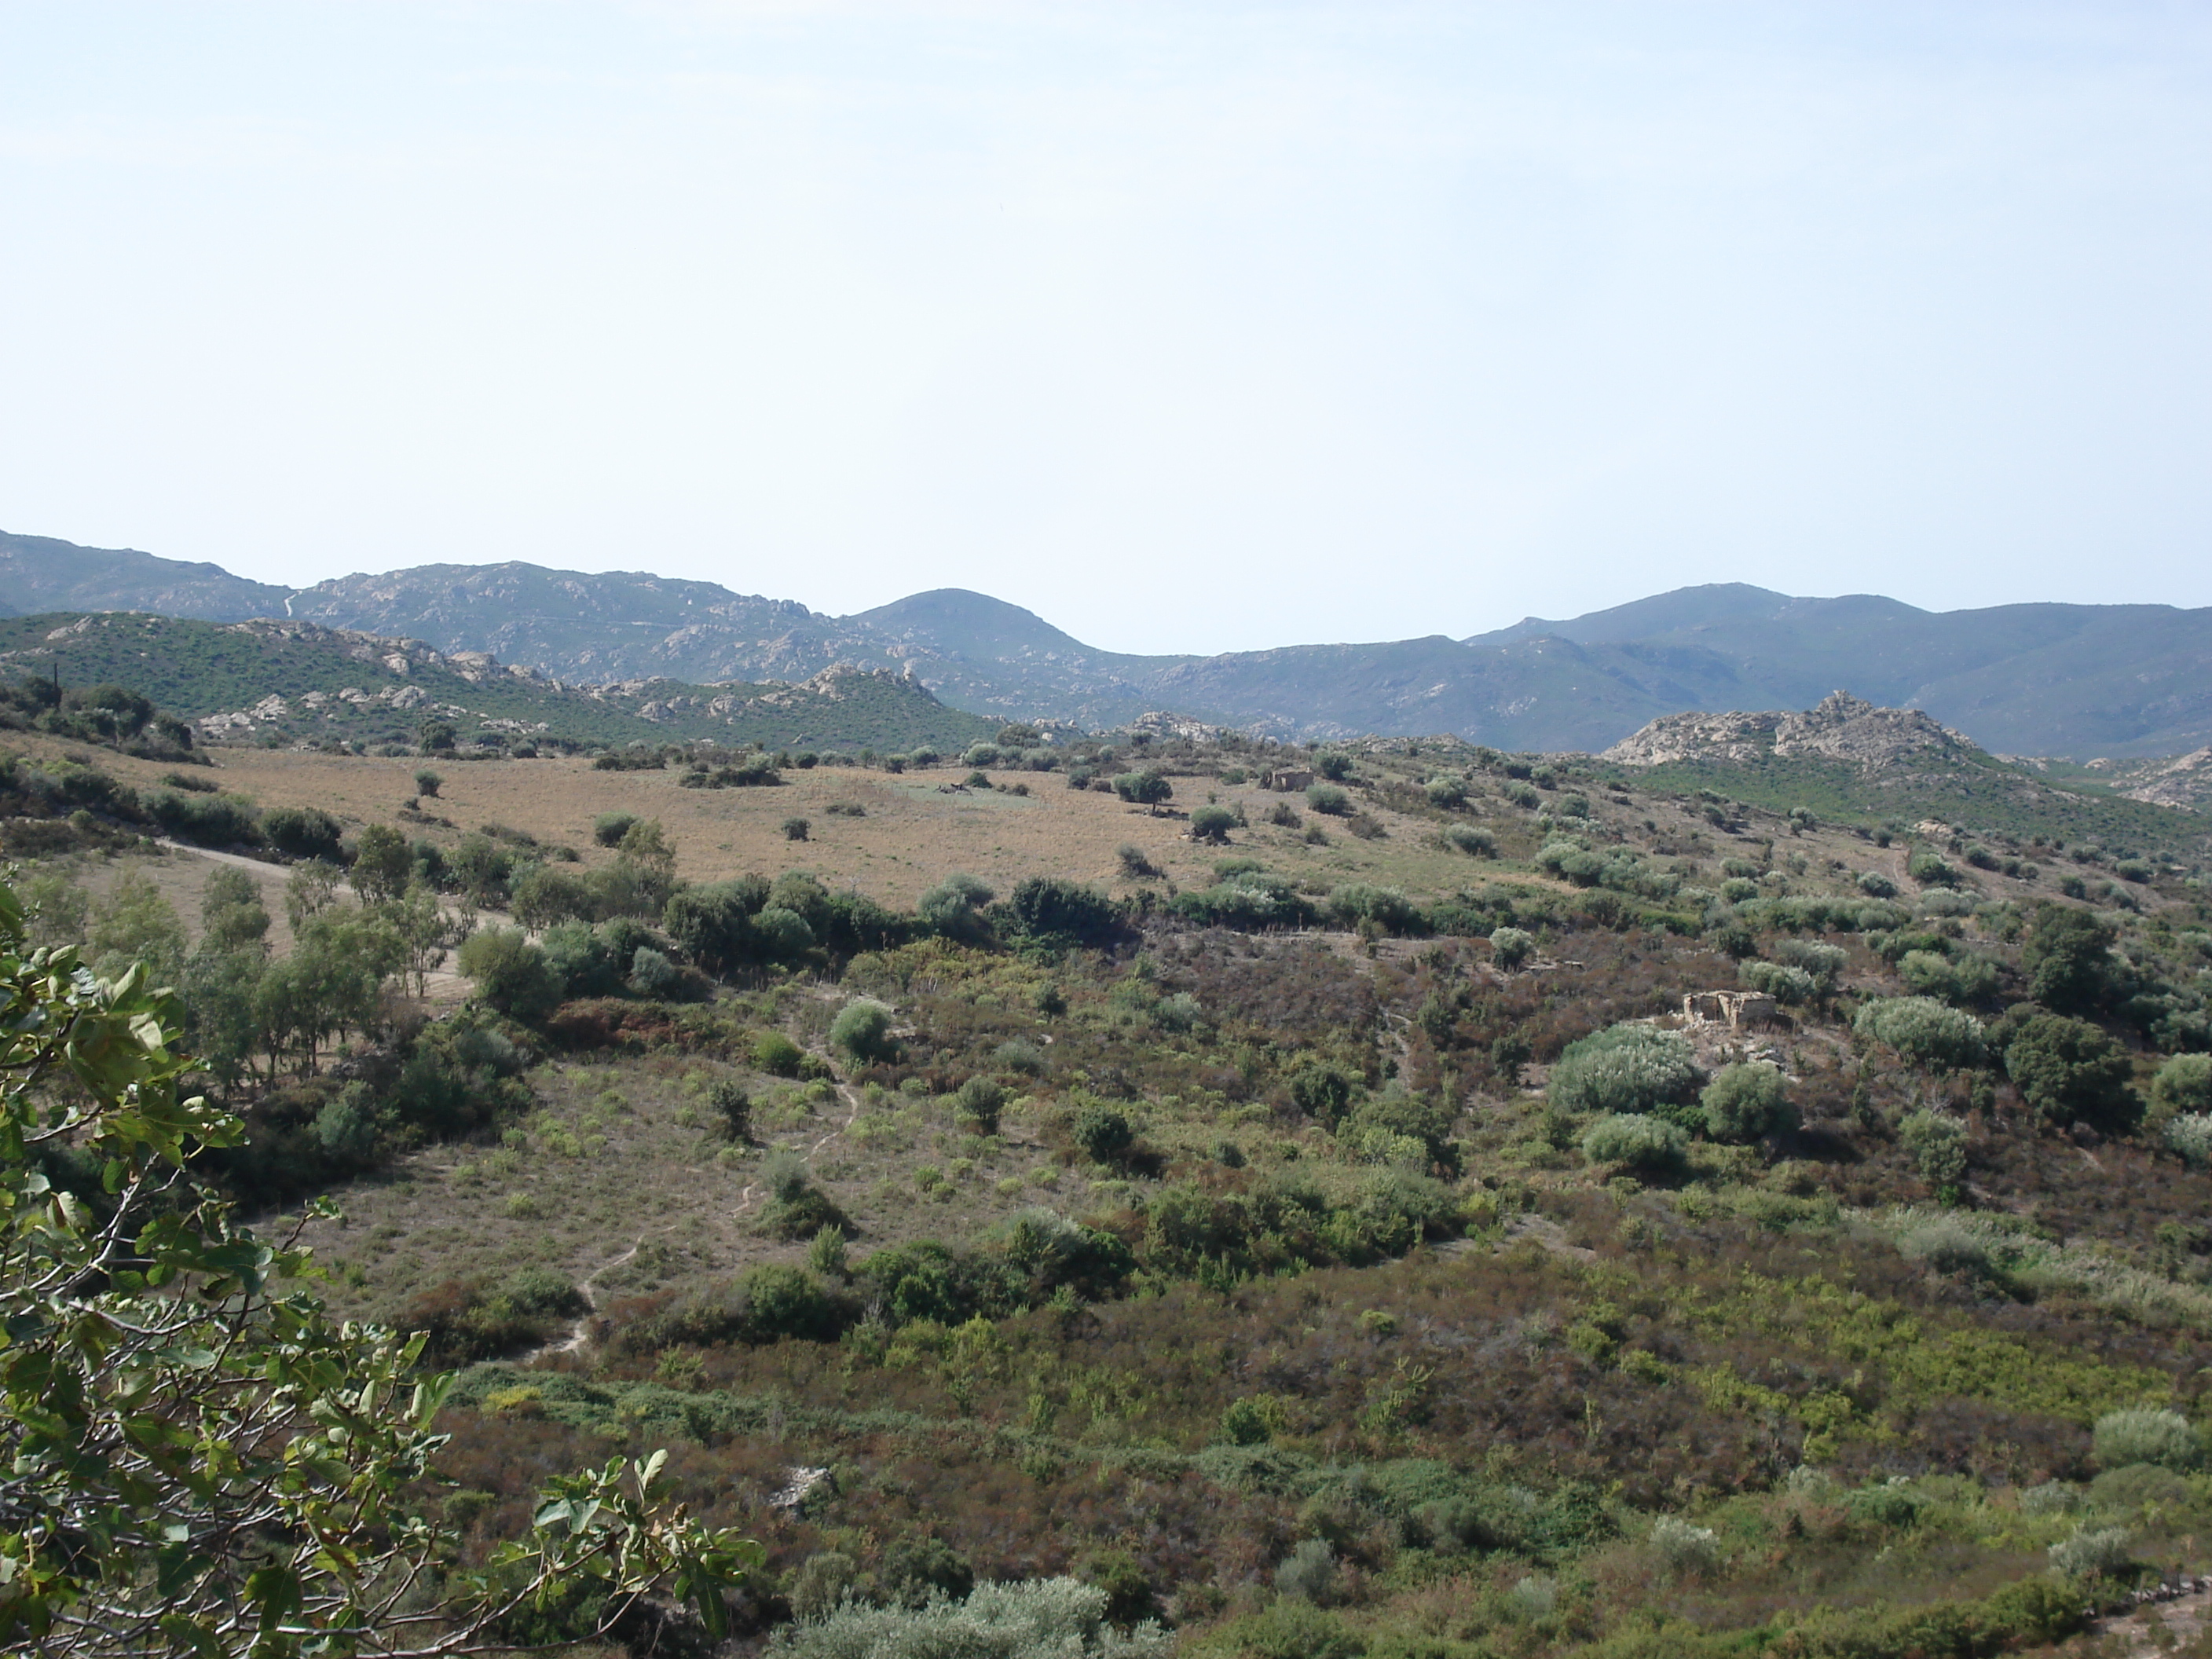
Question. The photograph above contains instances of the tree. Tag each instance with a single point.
(194, 1458)
(2069, 1070)
(382, 864)
(511, 974)
(427, 782)
(1148, 789)
(2068, 957)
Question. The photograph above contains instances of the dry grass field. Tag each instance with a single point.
(913, 833)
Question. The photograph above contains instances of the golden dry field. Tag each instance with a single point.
(916, 829)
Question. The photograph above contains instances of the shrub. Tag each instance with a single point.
(2090, 1552)
(609, 828)
(1510, 946)
(1053, 907)
(1875, 884)
(653, 975)
(795, 828)
(1680, 1550)
(1446, 792)
(1938, 1147)
(301, 832)
(1040, 1618)
(203, 820)
(1328, 800)
(1020, 1055)
(1962, 979)
(734, 1107)
(1746, 1102)
(1385, 906)
(1947, 1245)
(1134, 863)
(777, 1054)
(1212, 824)
(2148, 1434)
(1321, 1091)
(512, 975)
(1924, 1030)
(1308, 1572)
(862, 1028)
(1103, 1134)
(979, 1102)
(1824, 963)
(1475, 843)
(1625, 1068)
(1786, 984)
(782, 935)
(1634, 1141)
(2184, 1083)
(427, 782)
(2068, 1070)
(1932, 870)
(2191, 1135)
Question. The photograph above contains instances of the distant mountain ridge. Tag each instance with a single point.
(2062, 680)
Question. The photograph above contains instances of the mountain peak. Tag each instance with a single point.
(960, 621)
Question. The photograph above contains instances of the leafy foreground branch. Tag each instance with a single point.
(196, 1458)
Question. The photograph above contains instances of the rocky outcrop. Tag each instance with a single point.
(2183, 781)
(1840, 727)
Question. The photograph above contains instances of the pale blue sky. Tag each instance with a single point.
(1192, 327)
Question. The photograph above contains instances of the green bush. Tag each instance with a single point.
(2190, 1134)
(1875, 884)
(1308, 1573)
(1446, 792)
(979, 1101)
(302, 832)
(1328, 800)
(1212, 824)
(862, 1029)
(1932, 870)
(1923, 1029)
(1823, 963)
(2070, 1071)
(1746, 1103)
(1103, 1134)
(1786, 984)
(1052, 907)
(512, 975)
(1965, 978)
(2091, 1552)
(1475, 843)
(1045, 1618)
(1625, 1068)
(2184, 1083)
(1634, 1141)
(2148, 1435)
(203, 820)
(1938, 1147)
(1384, 907)
(777, 1054)
(609, 828)
(1510, 946)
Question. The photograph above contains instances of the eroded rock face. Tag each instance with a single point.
(1841, 727)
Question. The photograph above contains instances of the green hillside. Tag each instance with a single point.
(201, 671)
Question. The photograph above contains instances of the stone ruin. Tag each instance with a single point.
(1736, 1009)
(1288, 779)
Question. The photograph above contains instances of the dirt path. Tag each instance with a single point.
(581, 1332)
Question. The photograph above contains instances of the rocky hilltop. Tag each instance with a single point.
(1840, 727)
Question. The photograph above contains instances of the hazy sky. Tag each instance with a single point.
(1190, 326)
